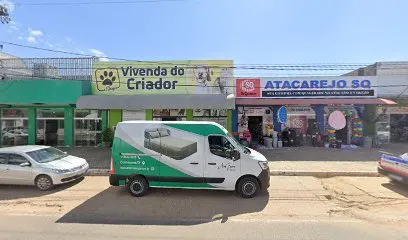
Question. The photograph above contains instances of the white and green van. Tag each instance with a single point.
(184, 155)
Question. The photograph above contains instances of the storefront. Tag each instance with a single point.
(392, 123)
(76, 112)
(162, 91)
(308, 105)
(42, 111)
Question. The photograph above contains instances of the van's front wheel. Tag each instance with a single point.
(138, 186)
(248, 187)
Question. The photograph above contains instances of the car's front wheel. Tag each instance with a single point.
(248, 187)
(44, 183)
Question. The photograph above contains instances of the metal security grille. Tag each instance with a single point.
(46, 68)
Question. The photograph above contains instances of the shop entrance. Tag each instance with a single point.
(255, 128)
(344, 135)
(51, 132)
(169, 118)
(50, 126)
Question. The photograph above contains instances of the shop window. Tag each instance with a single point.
(210, 112)
(129, 115)
(213, 115)
(169, 114)
(14, 127)
(50, 113)
(88, 113)
(383, 126)
(14, 113)
(399, 127)
(88, 127)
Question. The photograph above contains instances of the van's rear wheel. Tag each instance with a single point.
(138, 186)
(248, 187)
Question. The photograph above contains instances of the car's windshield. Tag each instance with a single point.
(46, 155)
(239, 145)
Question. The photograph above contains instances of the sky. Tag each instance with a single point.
(246, 31)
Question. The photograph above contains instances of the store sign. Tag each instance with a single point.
(318, 87)
(300, 111)
(248, 87)
(298, 122)
(172, 77)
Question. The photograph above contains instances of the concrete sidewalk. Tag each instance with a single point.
(308, 153)
(324, 168)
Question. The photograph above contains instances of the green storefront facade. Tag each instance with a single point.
(45, 111)
(40, 111)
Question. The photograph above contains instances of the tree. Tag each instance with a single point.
(4, 14)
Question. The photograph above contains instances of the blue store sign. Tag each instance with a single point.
(283, 115)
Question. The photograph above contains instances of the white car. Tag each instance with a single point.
(42, 166)
(16, 133)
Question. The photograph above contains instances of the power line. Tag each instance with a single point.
(238, 66)
(182, 85)
(93, 3)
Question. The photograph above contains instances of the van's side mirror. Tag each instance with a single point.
(25, 164)
(236, 155)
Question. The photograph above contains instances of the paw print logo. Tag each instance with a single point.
(107, 79)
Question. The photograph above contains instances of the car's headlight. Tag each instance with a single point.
(60, 170)
(263, 165)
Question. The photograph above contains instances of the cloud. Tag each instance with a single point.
(14, 28)
(20, 38)
(35, 33)
(80, 51)
(99, 54)
(68, 39)
(9, 5)
(49, 44)
(31, 39)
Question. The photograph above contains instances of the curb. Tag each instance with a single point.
(105, 172)
(324, 174)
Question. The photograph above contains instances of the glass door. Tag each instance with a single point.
(50, 127)
(88, 127)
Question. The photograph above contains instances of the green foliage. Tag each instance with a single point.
(4, 14)
(107, 136)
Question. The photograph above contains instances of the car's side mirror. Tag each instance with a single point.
(25, 164)
(236, 155)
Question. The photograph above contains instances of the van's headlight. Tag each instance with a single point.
(60, 170)
(263, 165)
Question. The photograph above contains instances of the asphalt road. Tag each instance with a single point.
(45, 228)
(293, 208)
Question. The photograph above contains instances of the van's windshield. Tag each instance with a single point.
(241, 147)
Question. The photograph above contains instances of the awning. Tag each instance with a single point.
(307, 101)
(136, 102)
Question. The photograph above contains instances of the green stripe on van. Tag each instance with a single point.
(200, 129)
(151, 166)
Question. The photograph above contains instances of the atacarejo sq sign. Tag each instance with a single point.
(317, 87)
